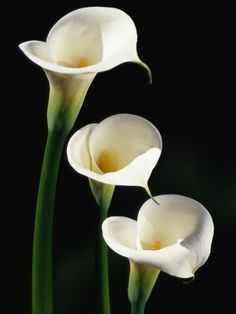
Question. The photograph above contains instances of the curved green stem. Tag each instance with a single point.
(103, 194)
(42, 285)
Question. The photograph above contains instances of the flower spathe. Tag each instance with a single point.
(87, 40)
(174, 236)
(123, 149)
(80, 45)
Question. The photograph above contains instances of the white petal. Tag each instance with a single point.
(78, 150)
(121, 240)
(183, 227)
(133, 144)
(105, 37)
(75, 36)
(37, 51)
(176, 217)
(120, 233)
(136, 173)
(126, 135)
(171, 221)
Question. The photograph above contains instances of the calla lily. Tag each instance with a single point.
(174, 237)
(80, 45)
(123, 149)
(87, 40)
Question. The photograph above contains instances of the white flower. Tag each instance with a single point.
(87, 40)
(174, 237)
(121, 150)
(80, 45)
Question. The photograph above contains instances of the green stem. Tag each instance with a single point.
(42, 284)
(137, 308)
(103, 194)
(142, 279)
(102, 268)
(67, 93)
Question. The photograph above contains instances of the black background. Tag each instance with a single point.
(188, 48)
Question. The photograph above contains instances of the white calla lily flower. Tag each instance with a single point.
(175, 237)
(123, 149)
(87, 40)
(80, 45)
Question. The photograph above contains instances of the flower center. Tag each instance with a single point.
(156, 245)
(83, 62)
(105, 162)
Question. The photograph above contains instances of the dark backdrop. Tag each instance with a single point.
(190, 101)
